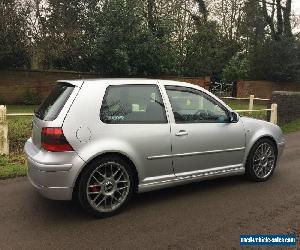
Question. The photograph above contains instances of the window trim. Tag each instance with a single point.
(135, 122)
(197, 92)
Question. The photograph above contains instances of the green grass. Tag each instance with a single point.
(244, 105)
(20, 108)
(291, 127)
(12, 166)
(19, 130)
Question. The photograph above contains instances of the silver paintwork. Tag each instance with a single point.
(164, 155)
(194, 153)
(52, 174)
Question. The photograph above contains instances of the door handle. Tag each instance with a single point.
(181, 133)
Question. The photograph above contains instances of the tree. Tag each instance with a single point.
(64, 28)
(151, 37)
(271, 51)
(208, 49)
(280, 25)
(236, 69)
(228, 14)
(253, 25)
(276, 61)
(13, 39)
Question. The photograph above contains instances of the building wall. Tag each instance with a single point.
(263, 89)
(14, 85)
(288, 105)
(203, 82)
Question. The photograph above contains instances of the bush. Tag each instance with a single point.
(2, 100)
(276, 61)
(31, 97)
(19, 130)
(236, 69)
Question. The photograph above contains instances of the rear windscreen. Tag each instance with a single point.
(54, 103)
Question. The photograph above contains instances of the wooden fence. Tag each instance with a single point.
(4, 146)
(250, 110)
(4, 142)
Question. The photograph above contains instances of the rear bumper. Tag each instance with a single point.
(53, 193)
(52, 174)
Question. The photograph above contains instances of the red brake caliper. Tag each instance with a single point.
(95, 187)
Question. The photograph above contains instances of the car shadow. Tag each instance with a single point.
(60, 210)
(72, 211)
(191, 189)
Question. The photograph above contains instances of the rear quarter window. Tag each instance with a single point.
(133, 104)
(53, 104)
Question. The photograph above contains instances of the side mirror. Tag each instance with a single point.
(233, 117)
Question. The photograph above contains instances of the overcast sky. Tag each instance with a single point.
(297, 6)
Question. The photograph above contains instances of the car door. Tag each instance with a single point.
(203, 138)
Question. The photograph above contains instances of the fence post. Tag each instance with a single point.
(251, 102)
(4, 146)
(273, 117)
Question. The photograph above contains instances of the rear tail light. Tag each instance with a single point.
(53, 139)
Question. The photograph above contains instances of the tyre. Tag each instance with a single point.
(262, 160)
(105, 186)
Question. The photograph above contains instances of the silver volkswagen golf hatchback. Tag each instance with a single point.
(102, 140)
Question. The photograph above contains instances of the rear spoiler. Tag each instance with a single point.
(77, 83)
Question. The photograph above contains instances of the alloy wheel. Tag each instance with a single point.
(108, 187)
(264, 160)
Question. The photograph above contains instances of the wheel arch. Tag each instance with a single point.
(102, 155)
(266, 136)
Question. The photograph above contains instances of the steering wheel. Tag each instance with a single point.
(201, 113)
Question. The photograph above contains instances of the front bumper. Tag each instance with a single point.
(281, 146)
(53, 174)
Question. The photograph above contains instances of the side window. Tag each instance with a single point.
(132, 104)
(192, 106)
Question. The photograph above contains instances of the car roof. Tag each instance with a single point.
(120, 81)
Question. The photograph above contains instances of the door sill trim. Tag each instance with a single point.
(187, 177)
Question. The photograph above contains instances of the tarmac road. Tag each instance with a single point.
(207, 215)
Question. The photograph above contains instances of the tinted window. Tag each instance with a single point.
(133, 104)
(54, 103)
(192, 106)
